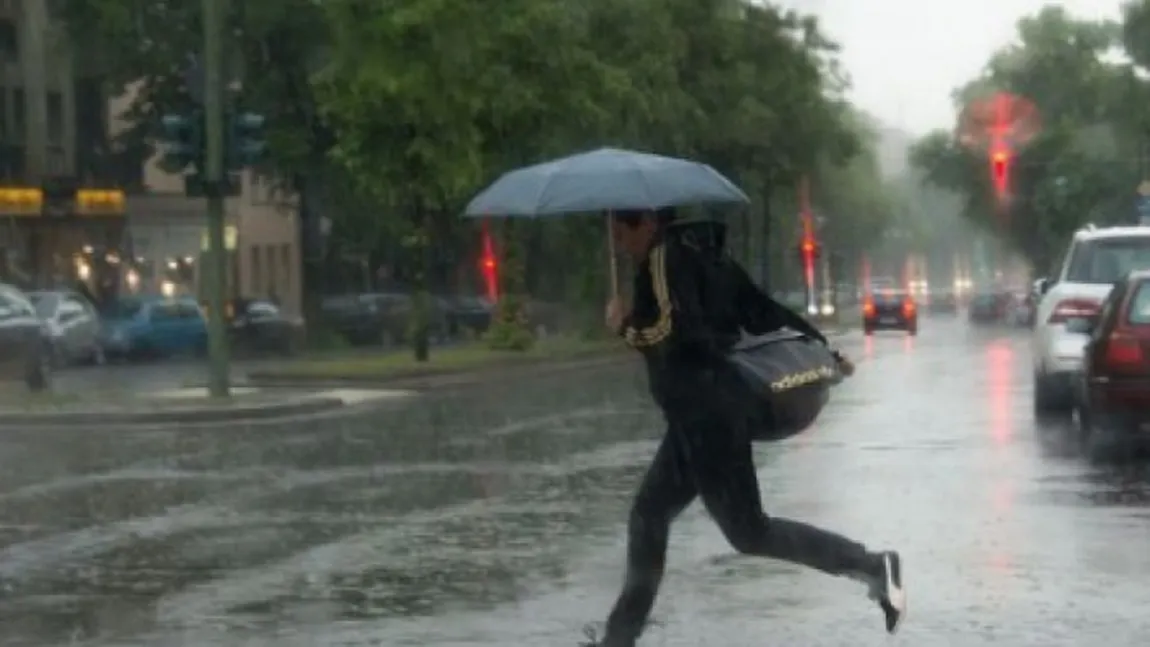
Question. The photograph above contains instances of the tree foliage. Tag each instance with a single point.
(1083, 166)
(407, 107)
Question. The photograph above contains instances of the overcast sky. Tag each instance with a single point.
(905, 56)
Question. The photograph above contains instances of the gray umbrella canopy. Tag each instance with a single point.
(608, 179)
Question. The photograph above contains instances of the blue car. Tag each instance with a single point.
(154, 326)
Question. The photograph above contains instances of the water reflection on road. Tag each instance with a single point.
(494, 517)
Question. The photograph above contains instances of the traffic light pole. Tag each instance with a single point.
(808, 237)
(218, 378)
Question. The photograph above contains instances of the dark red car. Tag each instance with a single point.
(1114, 389)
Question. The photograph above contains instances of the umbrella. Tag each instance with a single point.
(608, 179)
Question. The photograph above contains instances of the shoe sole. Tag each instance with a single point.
(894, 600)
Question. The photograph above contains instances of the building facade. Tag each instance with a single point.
(167, 228)
(59, 128)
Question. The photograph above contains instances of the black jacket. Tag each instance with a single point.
(690, 302)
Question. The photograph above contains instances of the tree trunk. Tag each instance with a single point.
(421, 337)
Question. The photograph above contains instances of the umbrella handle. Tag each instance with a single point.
(612, 256)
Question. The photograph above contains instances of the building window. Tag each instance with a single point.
(9, 42)
(19, 110)
(12, 162)
(55, 118)
(271, 290)
(256, 277)
(57, 161)
(285, 263)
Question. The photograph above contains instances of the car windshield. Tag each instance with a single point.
(1108, 260)
(889, 296)
(44, 302)
(1139, 308)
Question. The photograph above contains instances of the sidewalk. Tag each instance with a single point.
(22, 410)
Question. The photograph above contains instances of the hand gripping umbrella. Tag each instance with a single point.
(604, 180)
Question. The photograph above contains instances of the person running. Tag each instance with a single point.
(690, 301)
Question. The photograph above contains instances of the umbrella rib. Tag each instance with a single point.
(543, 186)
(647, 186)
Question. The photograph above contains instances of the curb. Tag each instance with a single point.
(191, 415)
(432, 380)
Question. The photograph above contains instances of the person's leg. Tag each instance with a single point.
(667, 489)
(724, 469)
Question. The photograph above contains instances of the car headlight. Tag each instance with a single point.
(828, 310)
(812, 310)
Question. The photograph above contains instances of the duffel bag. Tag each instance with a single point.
(791, 375)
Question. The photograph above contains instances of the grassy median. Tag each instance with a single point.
(471, 356)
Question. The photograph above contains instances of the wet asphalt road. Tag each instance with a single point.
(495, 517)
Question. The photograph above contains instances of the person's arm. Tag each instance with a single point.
(680, 321)
(762, 314)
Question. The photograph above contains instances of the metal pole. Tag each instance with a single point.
(808, 234)
(218, 379)
(35, 90)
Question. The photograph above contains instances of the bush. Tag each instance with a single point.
(510, 329)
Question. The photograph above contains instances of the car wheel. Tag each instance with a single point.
(912, 330)
(868, 331)
(1048, 401)
(98, 357)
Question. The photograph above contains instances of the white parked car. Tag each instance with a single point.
(1097, 257)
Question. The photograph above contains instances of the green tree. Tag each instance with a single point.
(1078, 168)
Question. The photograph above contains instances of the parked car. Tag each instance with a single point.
(25, 350)
(73, 326)
(1112, 391)
(381, 317)
(259, 326)
(368, 318)
(468, 313)
(154, 326)
(1095, 260)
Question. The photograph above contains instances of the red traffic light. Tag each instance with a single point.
(1000, 170)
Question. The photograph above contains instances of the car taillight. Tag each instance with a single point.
(868, 307)
(1123, 350)
(908, 307)
(1073, 309)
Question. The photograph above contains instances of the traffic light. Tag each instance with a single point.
(100, 202)
(183, 141)
(1000, 171)
(21, 201)
(246, 140)
(809, 249)
(489, 268)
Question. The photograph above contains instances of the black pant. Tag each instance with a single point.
(704, 453)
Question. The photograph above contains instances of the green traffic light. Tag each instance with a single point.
(182, 142)
(246, 145)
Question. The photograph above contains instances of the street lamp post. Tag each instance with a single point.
(214, 189)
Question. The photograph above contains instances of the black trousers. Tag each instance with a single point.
(704, 453)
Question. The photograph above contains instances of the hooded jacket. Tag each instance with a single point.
(691, 303)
